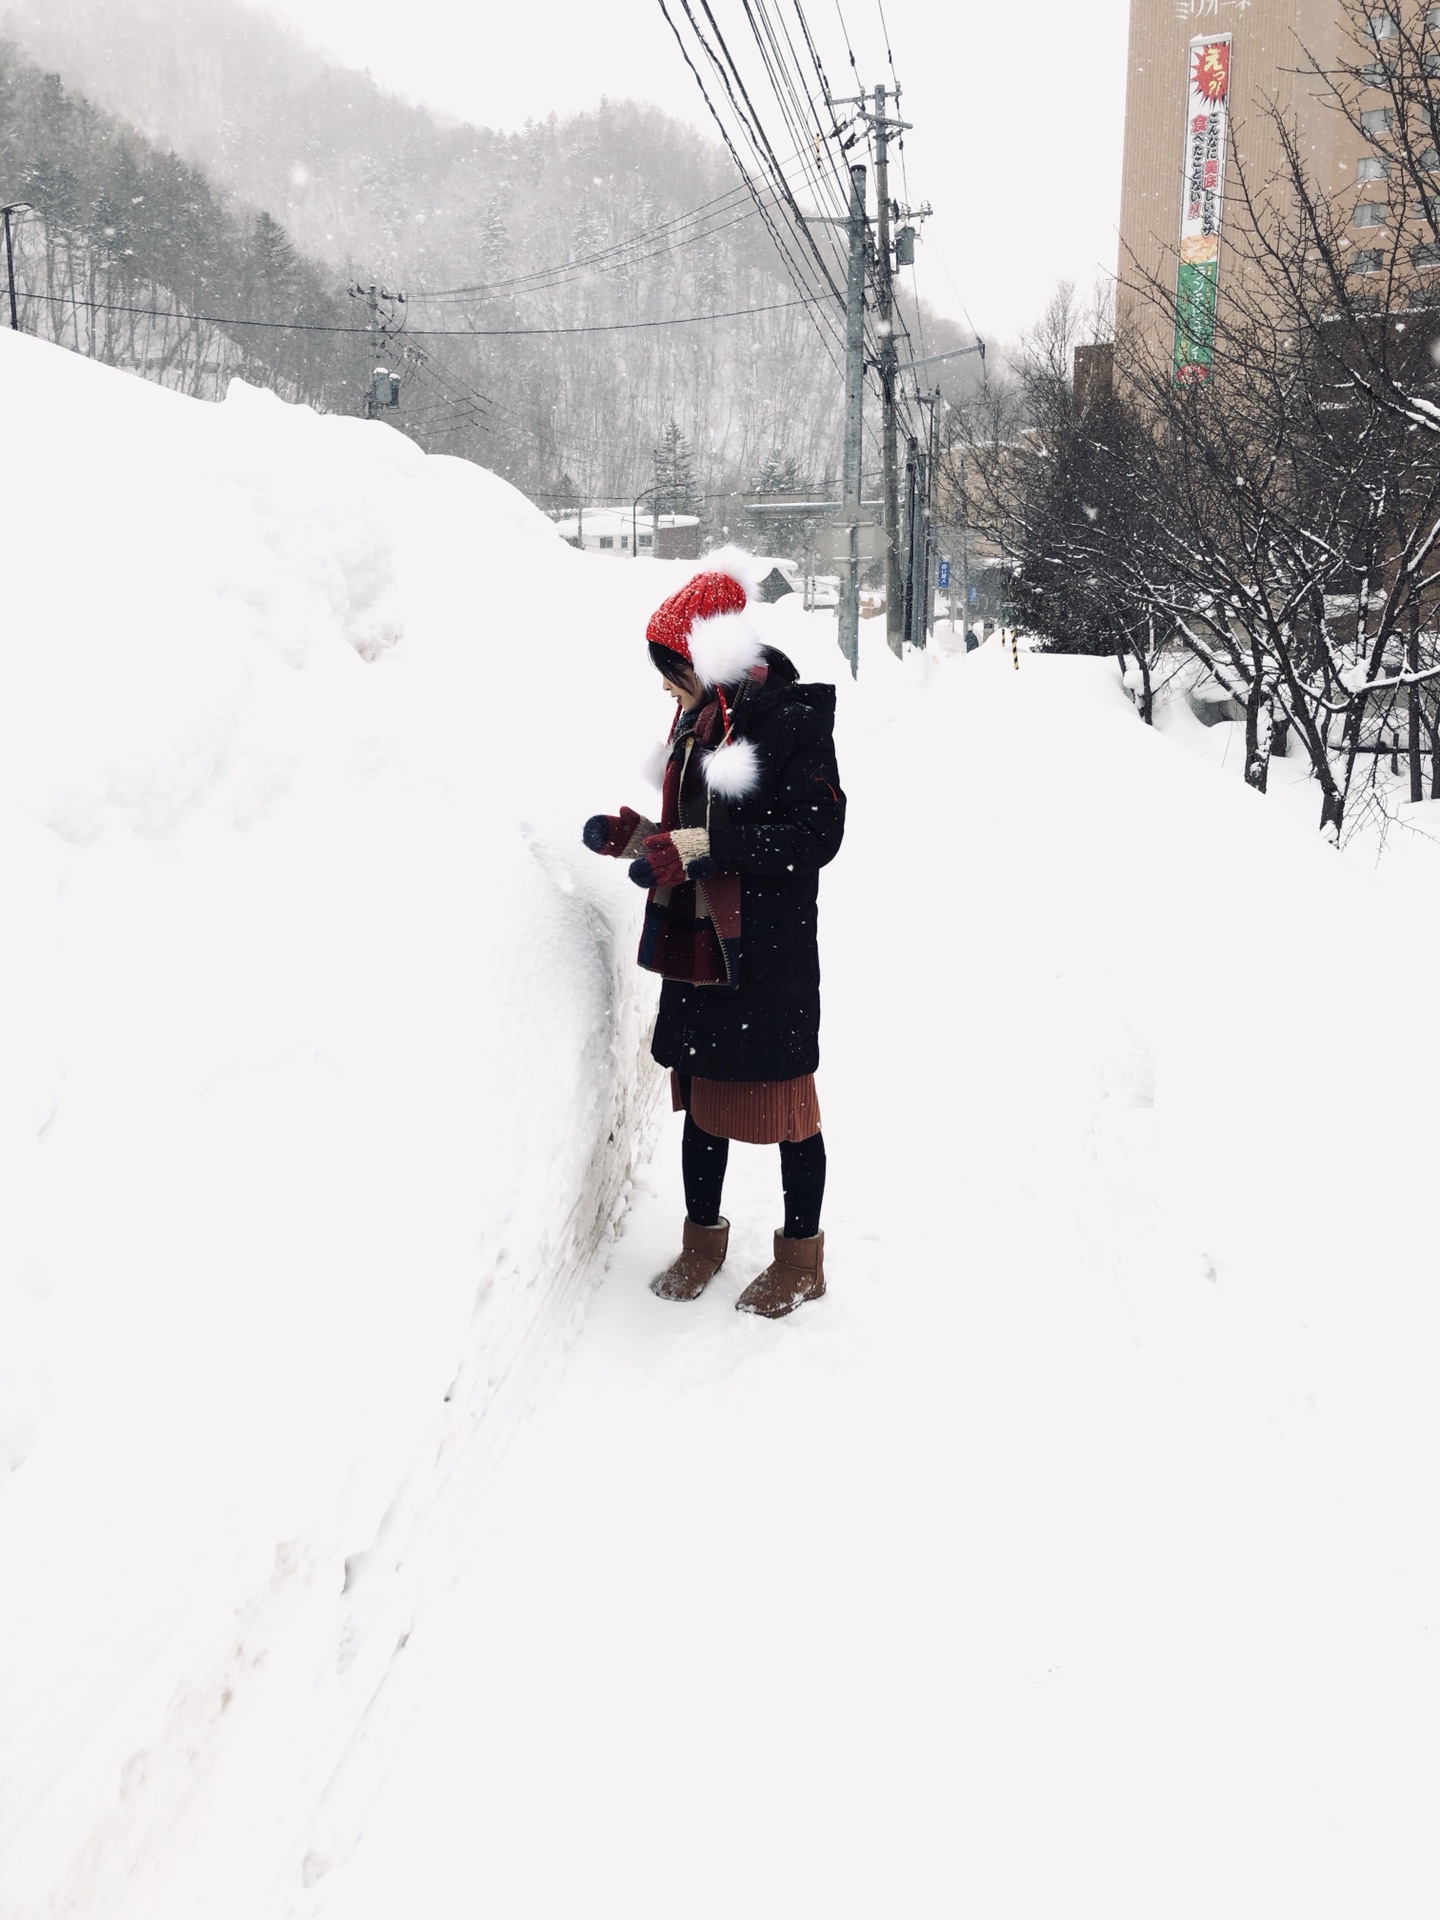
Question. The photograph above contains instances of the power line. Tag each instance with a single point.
(620, 254)
(616, 259)
(740, 166)
(764, 140)
(748, 124)
(779, 75)
(422, 333)
(885, 31)
(830, 188)
(779, 71)
(846, 32)
(796, 129)
(748, 121)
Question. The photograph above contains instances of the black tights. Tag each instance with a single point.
(703, 1159)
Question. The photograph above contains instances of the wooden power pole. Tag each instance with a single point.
(854, 419)
(885, 302)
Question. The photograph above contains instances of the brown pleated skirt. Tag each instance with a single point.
(759, 1112)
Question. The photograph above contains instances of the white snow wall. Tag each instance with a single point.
(322, 1064)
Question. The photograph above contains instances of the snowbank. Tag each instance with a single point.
(321, 1062)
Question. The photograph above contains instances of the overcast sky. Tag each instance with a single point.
(1017, 110)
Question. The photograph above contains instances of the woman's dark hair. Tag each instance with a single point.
(675, 667)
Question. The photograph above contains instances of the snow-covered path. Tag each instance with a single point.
(1075, 1553)
(1057, 1561)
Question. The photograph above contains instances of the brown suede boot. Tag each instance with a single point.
(701, 1256)
(795, 1275)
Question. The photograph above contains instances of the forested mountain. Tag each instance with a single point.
(131, 256)
(586, 226)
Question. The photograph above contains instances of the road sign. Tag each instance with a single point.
(942, 576)
(833, 542)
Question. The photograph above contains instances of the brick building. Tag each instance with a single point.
(1199, 69)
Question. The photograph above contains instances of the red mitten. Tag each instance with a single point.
(670, 859)
(617, 834)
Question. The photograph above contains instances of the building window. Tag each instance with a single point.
(1377, 120)
(1376, 73)
(1427, 254)
(607, 539)
(1432, 19)
(1382, 26)
(1370, 213)
(1373, 167)
(646, 540)
(1428, 161)
(1365, 260)
(624, 543)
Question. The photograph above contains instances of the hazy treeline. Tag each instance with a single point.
(130, 247)
(575, 224)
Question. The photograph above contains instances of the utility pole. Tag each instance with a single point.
(374, 348)
(378, 393)
(932, 453)
(873, 110)
(16, 206)
(920, 516)
(894, 611)
(854, 417)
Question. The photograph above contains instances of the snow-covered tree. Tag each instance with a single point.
(676, 489)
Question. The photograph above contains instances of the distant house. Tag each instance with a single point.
(673, 536)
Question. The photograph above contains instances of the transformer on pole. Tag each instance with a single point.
(382, 391)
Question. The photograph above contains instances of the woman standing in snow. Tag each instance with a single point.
(751, 811)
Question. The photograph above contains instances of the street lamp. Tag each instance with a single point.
(15, 206)
(634, 523)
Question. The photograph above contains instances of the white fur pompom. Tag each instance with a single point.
(739, 564)
(733, 770)
(725, 646)
(653, 770)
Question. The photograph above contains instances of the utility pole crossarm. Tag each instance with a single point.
(955, 353)
(877, 117)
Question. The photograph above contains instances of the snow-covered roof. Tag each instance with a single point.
(601, 520)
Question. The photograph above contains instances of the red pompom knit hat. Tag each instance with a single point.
(709, 622)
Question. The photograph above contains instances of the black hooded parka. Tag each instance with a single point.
(776, 837)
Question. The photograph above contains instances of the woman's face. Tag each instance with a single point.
(689, 697)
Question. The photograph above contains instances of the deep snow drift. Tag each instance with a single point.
(1075, 1553)
(322, 1065)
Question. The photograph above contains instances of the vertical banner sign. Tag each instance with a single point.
(1207, 112)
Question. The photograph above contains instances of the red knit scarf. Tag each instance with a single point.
(692, 932)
